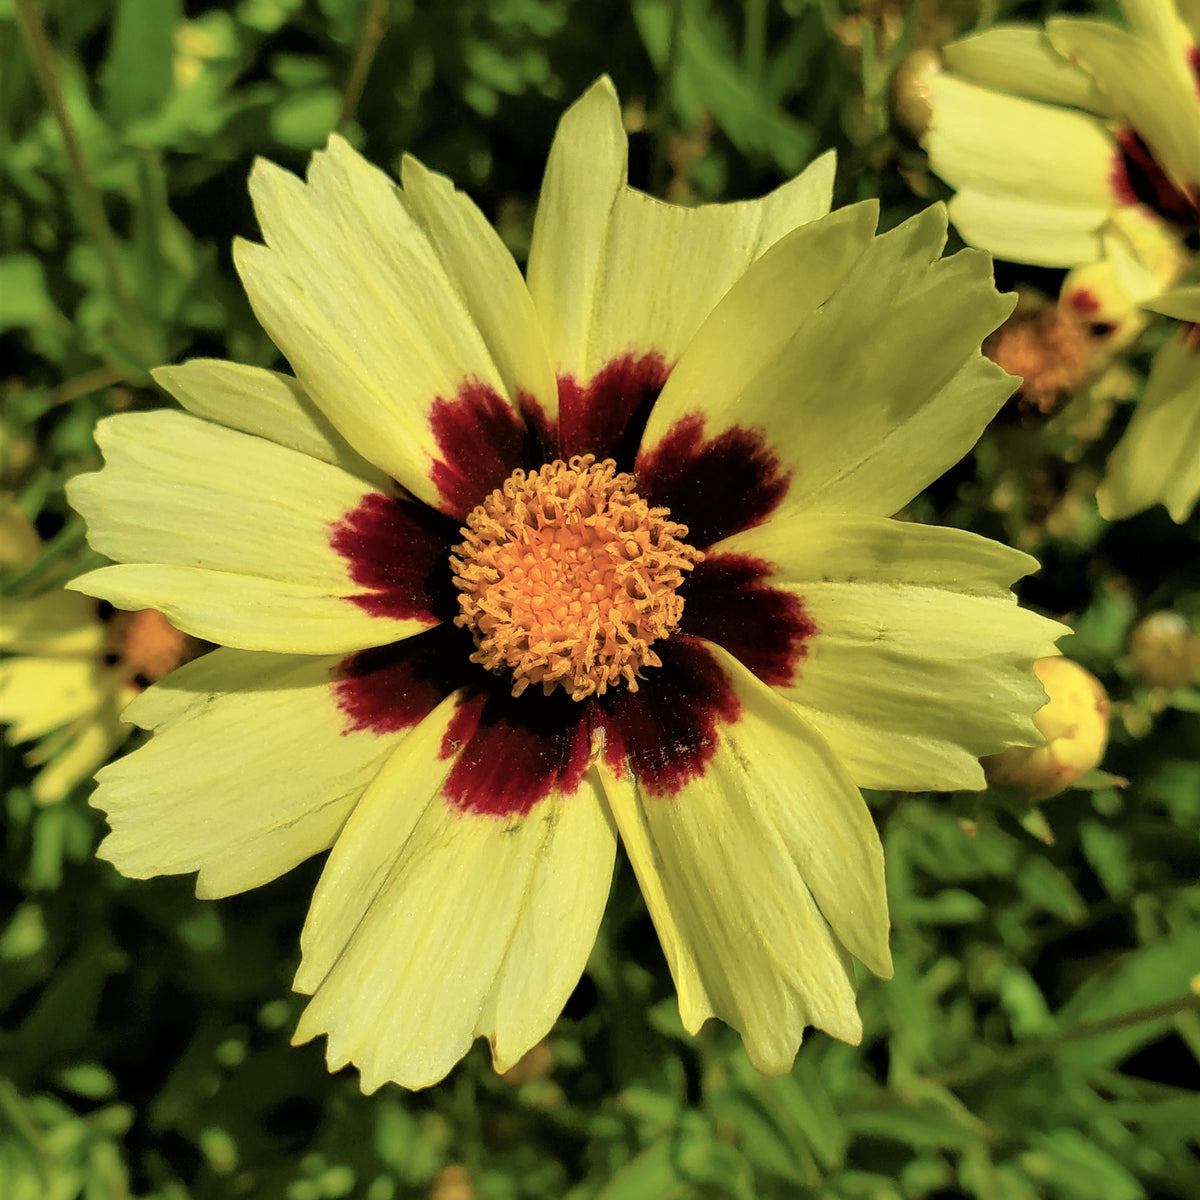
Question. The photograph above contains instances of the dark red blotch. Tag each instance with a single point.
(716, 486)
(668, 730)
(1137, 178)
(510, 753)
(728, 601)
(607, 417)
(504, 754)
(390, 688)
(482, 440)
(398, 548)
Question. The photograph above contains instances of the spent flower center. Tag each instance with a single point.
(567, 577)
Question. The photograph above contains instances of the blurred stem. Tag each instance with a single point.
(754, 38)
(88, 198)
(1019, 1056)
(666, 85)
(66, 541)
(374, 27)
(89, 381)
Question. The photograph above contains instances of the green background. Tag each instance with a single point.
(1039, 1038)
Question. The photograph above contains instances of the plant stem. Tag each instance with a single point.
(374, 27)
(1026, 1052)
(88, 199)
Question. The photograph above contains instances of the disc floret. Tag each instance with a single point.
(567, 577)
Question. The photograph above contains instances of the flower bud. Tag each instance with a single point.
(910, 89)
(1074, 722)
(1164, 650)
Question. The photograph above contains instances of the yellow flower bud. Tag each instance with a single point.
(910, 89)
(1164, 650)
(1074, 722)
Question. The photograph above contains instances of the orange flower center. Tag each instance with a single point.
(148, 644)
(567, 578)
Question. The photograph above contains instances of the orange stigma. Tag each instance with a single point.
(567, 577)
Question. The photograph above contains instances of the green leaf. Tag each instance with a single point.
(137, 75)
(1155, 974)
(305, 119)
(1076, 1167)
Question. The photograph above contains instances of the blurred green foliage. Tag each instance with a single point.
(1039, 1039)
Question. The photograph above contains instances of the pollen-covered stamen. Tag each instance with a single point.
(567, 577)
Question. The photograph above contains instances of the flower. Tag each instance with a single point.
(1079, 146)
(1074, 724)
(515, 567)
(71, 670)
(1074, 145)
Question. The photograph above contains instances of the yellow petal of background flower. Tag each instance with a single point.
(250, 771)
(1009, 146)
(90, 744)
(233, 529)
(264, 403)
(1158, 458)
(431, 927)
(614, 271)
(1019, 59)
(369, 296)
(1146, 85)
(922, 660)
(40, 694)
(1029, 230)
(1182, 303)
(759, 875)
(57, 622)
(860, 430)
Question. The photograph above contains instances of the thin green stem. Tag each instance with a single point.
(374, 27)
(1026, 1052)
(666, 85)
(88, 199)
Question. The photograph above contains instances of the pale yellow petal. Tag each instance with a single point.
(1149, 85)
(1033, 231)
(1020, 60)
(89, 748)
(55, 623)
(614, 271)
(369, 299)
(264, 403)
(1005, 145)
(875, 393)
(1157, 461)
(921, 660)
(759, 874)
(251, 770)
(229, 534)
(40, 694)
(244, 611)
(432, 926)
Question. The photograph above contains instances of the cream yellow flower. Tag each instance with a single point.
(68, 671)
(1079, 146)
(512, 568)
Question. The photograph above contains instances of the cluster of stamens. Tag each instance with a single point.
(566, 578)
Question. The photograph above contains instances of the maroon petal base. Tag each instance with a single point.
(608, 416)
(667, 731)
(1137, 178)
(727, 601)
(399, 549)
(716, 486)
